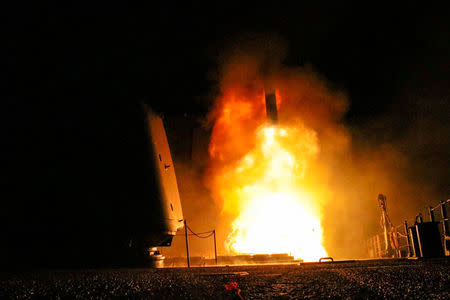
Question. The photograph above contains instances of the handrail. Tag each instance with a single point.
(440, 204)
(326, 259)
(444, 221)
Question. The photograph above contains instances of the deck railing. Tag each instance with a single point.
(400, 240)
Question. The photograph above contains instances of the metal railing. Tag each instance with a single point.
(444, 222)
(400, 243)
(202, 235)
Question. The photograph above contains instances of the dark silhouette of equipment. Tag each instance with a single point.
(425, 239)
(444, 222)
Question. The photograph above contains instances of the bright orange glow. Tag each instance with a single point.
(263, 183)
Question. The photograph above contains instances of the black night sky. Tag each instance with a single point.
(74, 145)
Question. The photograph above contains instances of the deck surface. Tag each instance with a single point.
(427, 279)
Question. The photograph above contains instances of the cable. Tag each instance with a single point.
(199, 234)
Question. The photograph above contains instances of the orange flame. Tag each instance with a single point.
(259, 173)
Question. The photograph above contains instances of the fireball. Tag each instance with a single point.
(259, 174)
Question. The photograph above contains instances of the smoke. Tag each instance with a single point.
(351, 168)
(188, 144)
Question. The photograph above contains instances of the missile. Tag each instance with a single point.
(271, 106)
